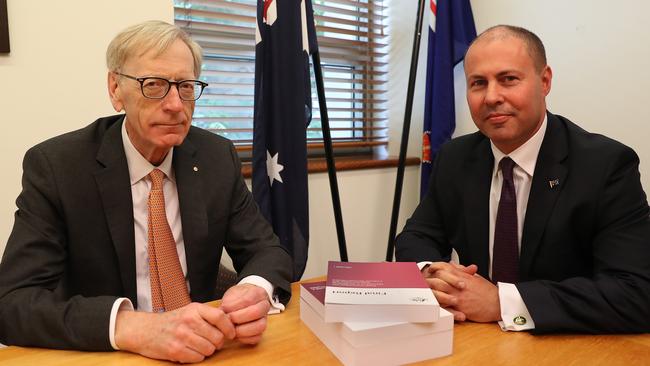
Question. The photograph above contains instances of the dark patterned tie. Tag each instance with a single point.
(505, 255)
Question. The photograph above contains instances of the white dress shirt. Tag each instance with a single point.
(525, 158)
(139, 169)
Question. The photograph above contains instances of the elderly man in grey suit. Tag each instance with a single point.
(121, 225)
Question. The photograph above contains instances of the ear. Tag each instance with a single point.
(114, 92)
(547, 76)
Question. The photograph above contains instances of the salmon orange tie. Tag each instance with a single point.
(168, 287)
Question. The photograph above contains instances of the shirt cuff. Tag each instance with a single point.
(514, 313)
(276, 306)
(423, 264)
(123, 303)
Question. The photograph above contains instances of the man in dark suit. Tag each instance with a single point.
(85, 249)
(550, 222)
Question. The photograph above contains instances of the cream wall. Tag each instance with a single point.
(54, 79)
(366, 201)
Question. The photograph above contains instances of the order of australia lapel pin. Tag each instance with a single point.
(554, 183)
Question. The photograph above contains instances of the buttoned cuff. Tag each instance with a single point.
(276, 306)
(123, 303)
(514, 313)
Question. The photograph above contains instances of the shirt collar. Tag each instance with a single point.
(525, 156)
(139, 167)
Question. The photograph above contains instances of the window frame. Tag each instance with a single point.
(351, 36)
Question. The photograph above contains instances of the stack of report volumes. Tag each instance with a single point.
(376, 341)
(386, 291)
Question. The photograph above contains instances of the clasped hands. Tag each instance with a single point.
(195, 331)
(463, 292)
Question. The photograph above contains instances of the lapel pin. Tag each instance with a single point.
(196, 169)
(553, 183)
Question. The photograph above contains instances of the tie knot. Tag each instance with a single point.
(506, 164)
(156, 177)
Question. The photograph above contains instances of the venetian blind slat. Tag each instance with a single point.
(353, 48)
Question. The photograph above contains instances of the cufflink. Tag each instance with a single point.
(519, 320)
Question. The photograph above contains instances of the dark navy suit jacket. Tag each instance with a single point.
(585, 247)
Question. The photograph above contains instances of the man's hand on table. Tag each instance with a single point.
(195, 331)
(188, 334)
(463, 292)
(247, 306)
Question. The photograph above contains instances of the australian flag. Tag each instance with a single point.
(285, 37)
(451, 30)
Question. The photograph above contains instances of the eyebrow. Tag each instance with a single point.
(506, 72)
(499, 74)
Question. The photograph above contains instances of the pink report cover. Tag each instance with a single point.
(378, 291)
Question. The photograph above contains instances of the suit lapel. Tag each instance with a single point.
(476, 207)
(114, 187)
(193, 211)
(548, 182)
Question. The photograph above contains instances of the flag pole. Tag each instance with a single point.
(331, 169)
(405, 132)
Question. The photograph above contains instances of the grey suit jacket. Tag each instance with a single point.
(585, 248)
(71, 252)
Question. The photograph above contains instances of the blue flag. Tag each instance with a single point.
(285, 36)
(451, 30)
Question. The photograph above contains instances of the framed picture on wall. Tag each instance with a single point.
(4, 28)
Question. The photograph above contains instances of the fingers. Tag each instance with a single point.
(429, 271)
(196, 332)
(199, 344)
(470, 270)
(251, 313)
(463, 291)
(247, 307)
(440, 285)
(451, 278)
(448, 273)
(445, 299)
(212, 334)
(250, 340)
(251, 332)
(444, 293)
(217, 318)
(181, 335)
(178, 352)
(241, 296)
(251, 322)
(458, 315)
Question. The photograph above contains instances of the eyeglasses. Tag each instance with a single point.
(157, 88)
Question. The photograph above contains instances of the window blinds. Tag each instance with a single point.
(352, 43)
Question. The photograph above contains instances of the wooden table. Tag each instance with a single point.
(288, 341)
